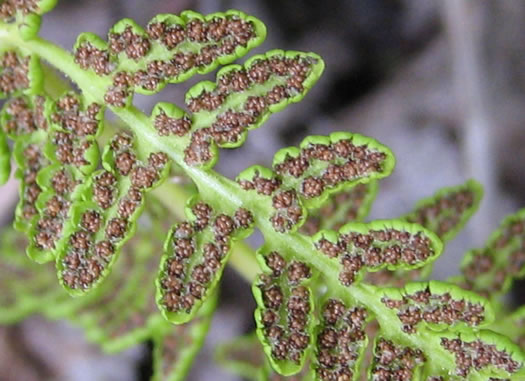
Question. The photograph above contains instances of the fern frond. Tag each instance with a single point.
(171, 49)
(100, 225)
(175, 347)
(195, 254)
(491, 270)
(81, 214)
(448, 210)
(445, 213)
(284, 315)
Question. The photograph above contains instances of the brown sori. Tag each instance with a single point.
(288, 337)
(199, 149)
(394, 362)
(288, 211)
(295, 70)
(261, 185)
(434, 308)
(185, 281)
(340, 342)
(377, 248)
(344, 160)
(215, 40)
(84, 263)
(22, 118)
(89, 57)
(172, 126)
(439, 212)
(476, 355)
(13, 71)
(229, 126)
(70, 117)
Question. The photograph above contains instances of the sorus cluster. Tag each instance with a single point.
(434, 308)
(286, 313)
(102, 229)
(167, 126)
(476, 355)
(288, 208)
(342, 161)
(216, 38)
(230, 125)
(197, 255)
(376, 249)
(9, 8)
(14, 70)
(393, 362)
(74, 137)
(341, 341)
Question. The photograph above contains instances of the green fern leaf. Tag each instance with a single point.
(175, 347)
(284, 315)
(195, 253)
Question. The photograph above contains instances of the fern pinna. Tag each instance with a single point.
(337, 297)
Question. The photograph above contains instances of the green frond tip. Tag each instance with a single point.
(438, 305)
(285, 312)
(381, 244)
(171, 49)
(323, 165)
(175, 347)
(484, 354)
(448, 210)
(195, 254)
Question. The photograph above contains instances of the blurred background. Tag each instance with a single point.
(442, 83)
